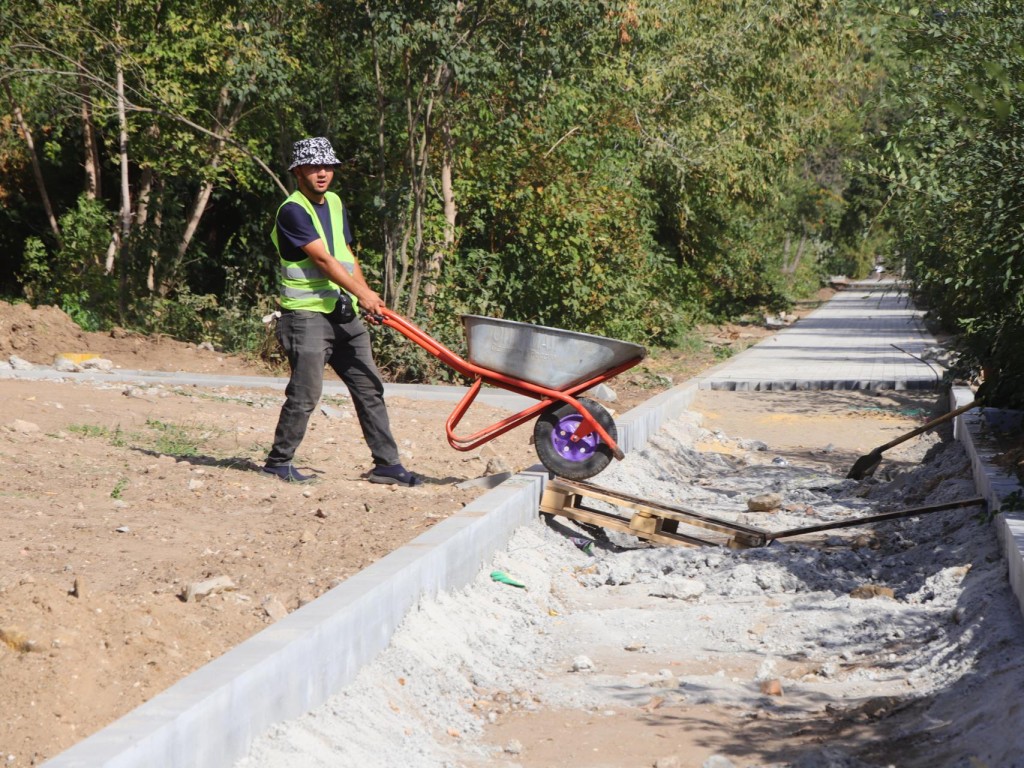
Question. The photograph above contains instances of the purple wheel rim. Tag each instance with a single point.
(561, 439)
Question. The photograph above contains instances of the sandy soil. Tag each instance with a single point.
(119, 498)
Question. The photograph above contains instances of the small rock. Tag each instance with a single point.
(514, 747)
(97, 364)
(122, 529)
(274, 608)
(868, 591)
(332, 413)
(62, 365)
(634, 647)
(320, 513)
(582, 664)
(20, 364)
(197, 590)
(78, 588)
(306, 536)
(665, 679)
(603, 392)
(16, 641)
(195, 484)
(497, 466)
(772, 687)
(778, 461)
(680, 589)
(764, 502)
(718, 761)
(668, 762)
(22, 427)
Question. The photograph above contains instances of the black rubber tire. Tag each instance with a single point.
(545, 440)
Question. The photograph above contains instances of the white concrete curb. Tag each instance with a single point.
(996, 484)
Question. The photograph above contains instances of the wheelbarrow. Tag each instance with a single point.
(574, 436)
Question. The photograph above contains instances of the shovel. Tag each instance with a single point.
(868, 463)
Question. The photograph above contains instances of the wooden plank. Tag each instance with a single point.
(646, 525)
(669, 518)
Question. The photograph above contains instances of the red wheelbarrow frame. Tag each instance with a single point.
(482, 375)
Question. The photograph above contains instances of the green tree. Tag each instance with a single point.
(954, 167)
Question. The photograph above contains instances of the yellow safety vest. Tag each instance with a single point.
(302, 284)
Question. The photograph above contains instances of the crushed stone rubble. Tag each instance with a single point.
(908, 624)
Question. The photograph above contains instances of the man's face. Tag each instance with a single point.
(314, 179)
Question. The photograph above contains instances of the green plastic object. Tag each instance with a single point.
(503, 578)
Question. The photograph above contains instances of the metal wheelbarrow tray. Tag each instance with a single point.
(574, 436)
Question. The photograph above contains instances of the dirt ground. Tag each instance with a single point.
(120, 498)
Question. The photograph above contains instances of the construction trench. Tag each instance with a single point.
(237, 710)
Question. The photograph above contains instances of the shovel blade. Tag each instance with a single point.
(865, 466)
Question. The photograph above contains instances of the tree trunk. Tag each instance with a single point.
(154, 252)
(142, 209)
(37, 170)
(436, 263)
(93, 181)
(789, 266)
(119, 240)
(202, 199)
(420, 127)
(388, 231)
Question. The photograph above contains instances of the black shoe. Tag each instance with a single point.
(394, 474)
(289, 474)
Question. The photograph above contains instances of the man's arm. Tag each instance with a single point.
(354, 283)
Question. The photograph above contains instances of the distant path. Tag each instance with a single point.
(868, 337)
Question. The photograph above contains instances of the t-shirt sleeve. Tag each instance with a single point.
(294, 230)
(348, 226)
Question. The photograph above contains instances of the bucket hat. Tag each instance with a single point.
(315, 151)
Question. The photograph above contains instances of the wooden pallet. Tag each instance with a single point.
(649, 520)
(660, 523)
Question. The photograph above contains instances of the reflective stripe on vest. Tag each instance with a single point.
(302, 284)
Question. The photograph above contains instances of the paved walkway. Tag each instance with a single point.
(868, 337)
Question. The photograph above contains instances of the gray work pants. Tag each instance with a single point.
(311, 341)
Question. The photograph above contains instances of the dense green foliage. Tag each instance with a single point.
(956, 170)
(623, 167)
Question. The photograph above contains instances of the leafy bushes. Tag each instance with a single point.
(956, 168)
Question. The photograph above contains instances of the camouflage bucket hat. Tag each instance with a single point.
(316, 151)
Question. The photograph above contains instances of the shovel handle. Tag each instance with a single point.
(930, 425)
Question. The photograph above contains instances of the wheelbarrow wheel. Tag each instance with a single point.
(552, 437)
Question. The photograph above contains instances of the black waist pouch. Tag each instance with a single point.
(343, 311)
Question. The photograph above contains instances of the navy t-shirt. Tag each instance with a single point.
(294, 229)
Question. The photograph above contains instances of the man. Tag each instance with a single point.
(322, 289)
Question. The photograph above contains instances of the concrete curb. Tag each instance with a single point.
(993, 482)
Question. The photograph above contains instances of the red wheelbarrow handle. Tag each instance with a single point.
(480, 375)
